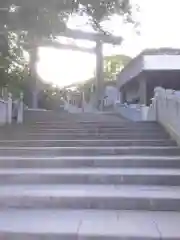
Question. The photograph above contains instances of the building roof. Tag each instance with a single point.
(161, 51)
(150, 60)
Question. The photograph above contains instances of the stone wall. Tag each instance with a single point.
(166, 110)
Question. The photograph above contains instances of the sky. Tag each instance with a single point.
(159, 27)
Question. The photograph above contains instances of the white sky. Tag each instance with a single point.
(159, 23)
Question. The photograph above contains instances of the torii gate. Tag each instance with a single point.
(99, 38)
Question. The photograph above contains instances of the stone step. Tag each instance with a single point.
(89, 129)
(102, 123)
(80, 126)
(87, 136)
(92, 131)
(98, 126)
(88, 225)
(77, 122)
(90, 151)
(122, 197)
(95, 124)
(73, 118)
(104, 176)
(85, 142)
(41, 136)
(91, 161)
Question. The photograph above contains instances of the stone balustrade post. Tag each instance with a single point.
(20, 109)
(83, 101)
(168, 107)
(9, 109)
(144, 112)
(158, 93)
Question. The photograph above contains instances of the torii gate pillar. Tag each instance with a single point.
(33, 72)
(99, 86)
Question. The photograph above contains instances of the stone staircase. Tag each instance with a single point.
(87, 176)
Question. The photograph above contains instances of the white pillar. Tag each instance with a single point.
(143, 91)
(83, 101)
(144, 112)
(119, 96)
(35, 99)
(20, 109)
(9, 109)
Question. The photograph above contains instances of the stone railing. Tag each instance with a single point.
(18, 109)
(11, 110)
(133, 112)
(3, 112)
(6, 110)
(71, 108)
(166, 109)
(151, 114)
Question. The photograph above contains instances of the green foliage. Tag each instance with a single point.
(113, 65)
(14, 69)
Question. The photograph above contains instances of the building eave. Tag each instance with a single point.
(147, 63)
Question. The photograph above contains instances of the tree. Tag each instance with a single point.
(31, 21)
(113, 65)
(48, 18)
(15, 75)
(38, 19)
(17, 70)
(13, 66)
